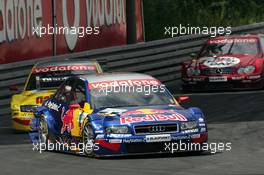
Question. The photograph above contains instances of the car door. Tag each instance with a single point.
(62, 100)
(79, 111)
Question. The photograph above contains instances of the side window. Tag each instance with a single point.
(65, 94)
(59, 91)
(80, 92)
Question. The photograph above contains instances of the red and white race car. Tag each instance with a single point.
(226, 62)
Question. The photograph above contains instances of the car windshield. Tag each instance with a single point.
(52, 80)
(130, 96)
(220, 47)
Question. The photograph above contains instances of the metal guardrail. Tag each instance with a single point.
(161, 59)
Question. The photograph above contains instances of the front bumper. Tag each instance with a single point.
(199, 83)
(23, 121)
(140, 145)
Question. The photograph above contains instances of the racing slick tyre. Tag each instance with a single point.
(43, 133)
(88, 140)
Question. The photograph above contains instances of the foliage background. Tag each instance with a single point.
(161, 13)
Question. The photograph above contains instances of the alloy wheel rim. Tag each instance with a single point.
(43, 131)
(88, 139)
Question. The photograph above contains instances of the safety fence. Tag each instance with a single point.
(161, 59)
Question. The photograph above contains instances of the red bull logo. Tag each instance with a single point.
(146, 111)
(67, 120)
(155, 117)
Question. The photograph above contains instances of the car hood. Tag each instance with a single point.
(144, 115)
(35, 97)
(227, 61)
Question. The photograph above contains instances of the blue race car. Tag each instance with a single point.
(118, 114)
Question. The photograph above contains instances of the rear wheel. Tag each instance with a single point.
(88, 140)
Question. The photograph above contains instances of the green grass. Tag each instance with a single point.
(161, 13)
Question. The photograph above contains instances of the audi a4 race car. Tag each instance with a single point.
(41, 83)
(117, 114)
(227, 62)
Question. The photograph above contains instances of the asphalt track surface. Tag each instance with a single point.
(236, 117)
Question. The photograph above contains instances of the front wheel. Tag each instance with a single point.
(88, 140)
(43, 133)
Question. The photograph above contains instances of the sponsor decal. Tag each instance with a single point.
(53, 79)
(115, 141)
(112, 111)
(201, 124)
(119, 135)
(196, 136)
(133, 140)
(100, 136)
(64, 68)
(52, 106)
(153, 117)
(203, 129)
(41, 99)
(190, 131)
(139, 82)
(232, 40)
(147, 111)
(180, 137)
(219, 62)
(99, 132)
(67, 120)
(26, 115)
(98, 126)
(218, 79)
(158, 138)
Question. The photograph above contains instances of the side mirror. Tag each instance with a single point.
(14, 89)
(87, 108)
(183, 99)
(193, 55)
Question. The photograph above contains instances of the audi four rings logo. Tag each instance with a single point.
(219, 71)
(157, 128)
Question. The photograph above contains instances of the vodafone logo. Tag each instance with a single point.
(123, 83)
(232, 40)
(64, 68)
(18, 18)
(154, 117)
(98, 13)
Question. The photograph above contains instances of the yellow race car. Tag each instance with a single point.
(42, 82)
